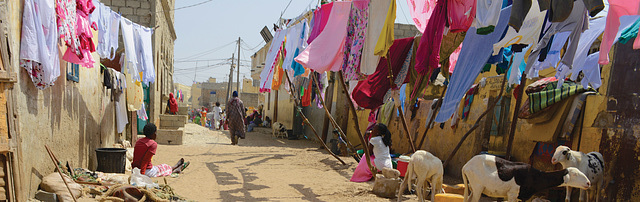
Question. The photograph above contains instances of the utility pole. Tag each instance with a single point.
(238, 75)
(230, 81)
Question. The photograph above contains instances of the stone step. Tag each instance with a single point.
(169, 137)
(172, 122)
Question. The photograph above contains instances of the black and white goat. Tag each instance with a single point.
(499, 178)
(591, 164)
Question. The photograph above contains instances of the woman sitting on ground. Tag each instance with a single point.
(144, 150)
(380, 145)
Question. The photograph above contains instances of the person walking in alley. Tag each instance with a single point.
(143, 152)
(203, 117)
(172, 105)
(235, 118)
(217, 111)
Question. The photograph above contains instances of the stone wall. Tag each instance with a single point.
(249, 99)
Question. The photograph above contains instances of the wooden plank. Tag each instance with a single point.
(8, 77)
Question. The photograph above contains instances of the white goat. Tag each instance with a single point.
(591, 164)
(499, 178)
(427, 168)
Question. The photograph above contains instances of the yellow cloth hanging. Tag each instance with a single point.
(278, 73)
(387, 35)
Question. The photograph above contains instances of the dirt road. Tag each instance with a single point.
(260, 168)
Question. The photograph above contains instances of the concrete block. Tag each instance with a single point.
(145, 4)
(133, 18)
(126, 12)
(169, 137)
(118, 3)
(143, 12)
(386, 187)
(133, 4)
(46, 196)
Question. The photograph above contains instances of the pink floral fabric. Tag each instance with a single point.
(67, 23)
(356, 33)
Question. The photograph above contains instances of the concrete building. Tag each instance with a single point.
(156, 14)
(206, 94)
(72, 117)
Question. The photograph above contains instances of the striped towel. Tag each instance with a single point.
(551, 95)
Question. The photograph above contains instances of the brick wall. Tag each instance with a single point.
(405, 30)
(138, 11)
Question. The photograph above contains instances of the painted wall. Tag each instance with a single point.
(73, 119)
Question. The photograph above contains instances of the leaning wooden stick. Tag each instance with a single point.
(306, 121)
(355, 123)
(59, 172)
(514, 121)
(433, 117)
(331, 119)
(406, 129)
(477, 124)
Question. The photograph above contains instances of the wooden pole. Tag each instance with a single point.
(306, 121)
(514, 120)
(328, 105)
(475, 126)
(55, 162)
(406, 129)
(432, 118)
(356, 123)
(328, 114)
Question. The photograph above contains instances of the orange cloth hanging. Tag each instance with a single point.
(306, 98)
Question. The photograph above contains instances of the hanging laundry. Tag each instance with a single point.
(384, 116)
(306, 97)
(553, 55)
(427, 55)
(559, 11)
(421, 12)
(475, 51)
(84, 36)
(460, 13)
(387, 35)
(529, 33)
(108, 30)
(487, 14)
(402, 98)
(67, 24)
(135, 92)
(591, 72)
(293, 38)
(106, 77)
(142, 113)
(515, 72)
(401, 77)
(468, 100)
(432, 109)
(617, 9)
(577, 22)
(596, 27)
(266, 76)
(369, 93)
(630, 32)
(130, 48)
(320, 19)
(144, 53)
(375, 24)
(120, 101)
(327, 49)
(453, 59)
(356, 32)
(39, 43)
(278, 72)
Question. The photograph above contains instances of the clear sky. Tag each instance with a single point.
(208, 33)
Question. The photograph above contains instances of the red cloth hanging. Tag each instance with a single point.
(370, 92)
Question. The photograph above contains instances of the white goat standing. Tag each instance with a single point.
(591, 164)
(427, 168)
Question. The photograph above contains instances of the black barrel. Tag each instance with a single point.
(111, 160)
